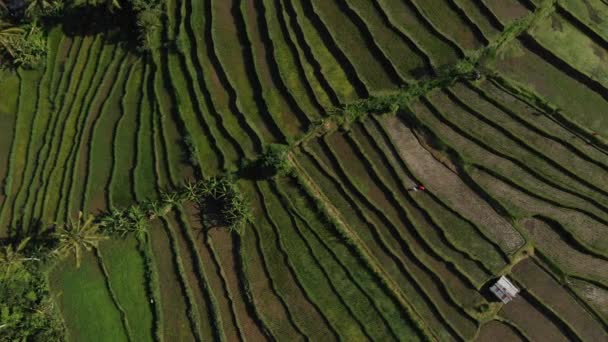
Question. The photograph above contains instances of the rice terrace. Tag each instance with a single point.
(319, 170)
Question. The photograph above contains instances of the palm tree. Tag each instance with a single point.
(138, 221)
(37, 7)
(8, 36)
(76, 236)
(171, 199)
(191, 191)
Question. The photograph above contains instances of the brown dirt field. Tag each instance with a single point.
(507, 10)
(176, 326)
(569, 259)
(554, 296)
(533, 323)
(447, 185)
(223, 244)
(596, 296)
(584, 228)
(214, 280)
(187, 257)
(497, 331)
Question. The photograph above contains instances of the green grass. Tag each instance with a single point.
(341, 261)
(339, 248)
(60, 174)
(225, 35)
(101, 143)
(577, 102)
(121, 183)
(304, 313)
(18, 154)
(173, 300)
(361, 52)
(573, 46)
(144, 175)
(417, 28)
(311, 41)
(290, 118)
(85, 301)
(292, 69)
(463, 234)
(425, 228)
(70, 200)
(125, 267)
(591, 12)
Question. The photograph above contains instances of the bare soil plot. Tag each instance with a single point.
(506, 10)
(498, 331)
(448, 185)
(555, 297)
(176, 325)
(224, 246)
(533, 322)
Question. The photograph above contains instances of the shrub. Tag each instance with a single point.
(274, 161)
(22, 47)
(149, 21)
(222, 204)
(27, 312)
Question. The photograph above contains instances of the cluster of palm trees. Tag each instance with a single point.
(85, 233)
(221, 191)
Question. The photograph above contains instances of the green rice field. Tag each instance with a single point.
(498, 107)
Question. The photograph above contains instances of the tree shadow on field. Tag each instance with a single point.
(117, 26)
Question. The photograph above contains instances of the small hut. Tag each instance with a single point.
(504, 290)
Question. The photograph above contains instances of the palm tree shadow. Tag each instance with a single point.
(118, 26)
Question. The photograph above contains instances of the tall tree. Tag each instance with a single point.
(77, 236)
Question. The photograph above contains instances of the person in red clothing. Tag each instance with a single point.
(418, 187)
